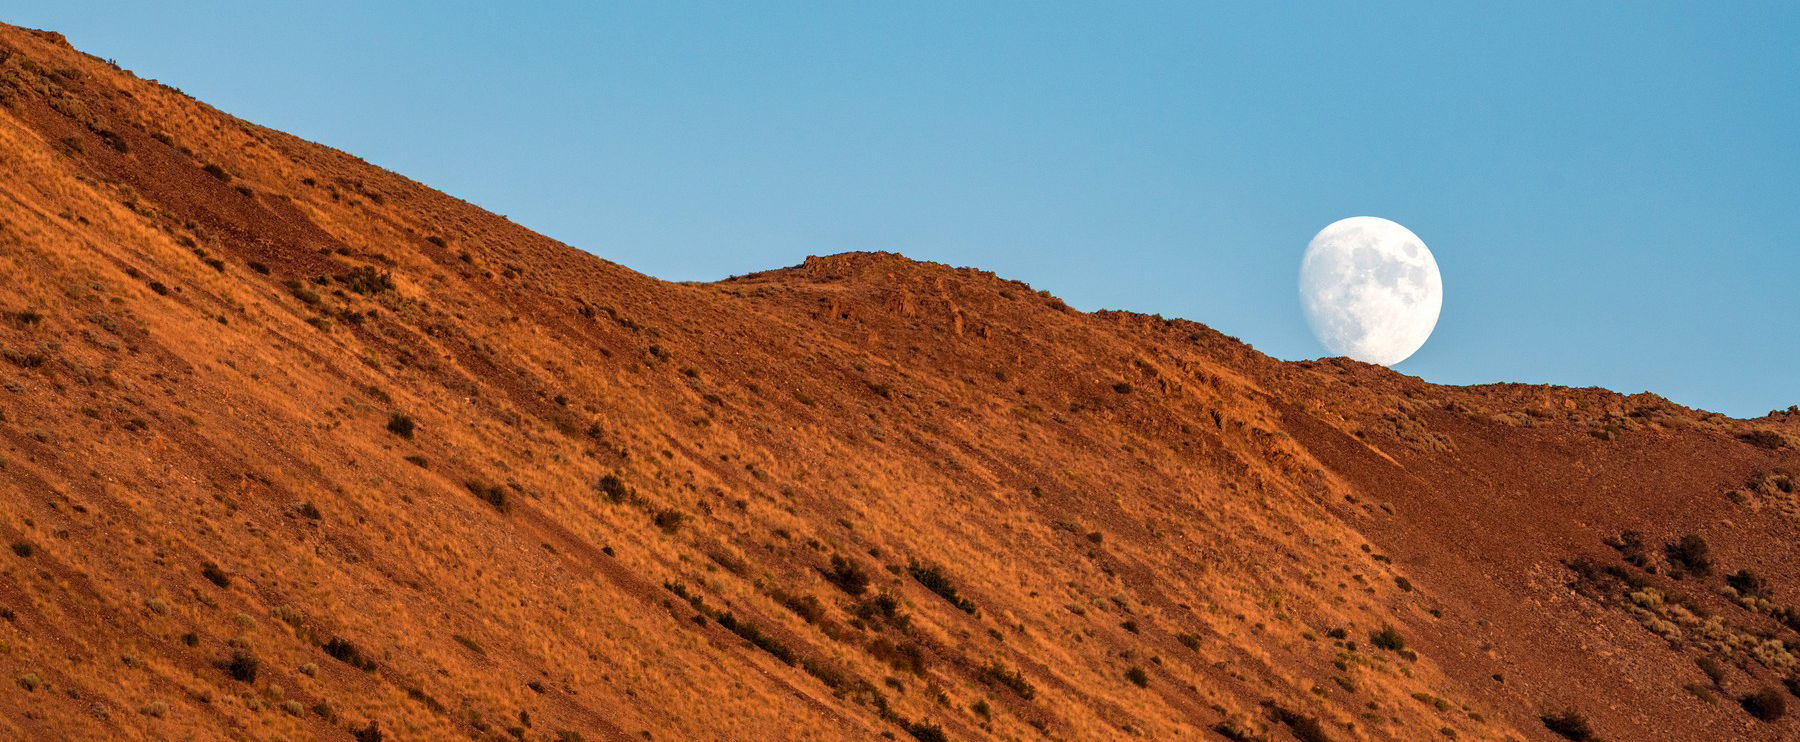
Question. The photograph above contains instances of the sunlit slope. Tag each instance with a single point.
(296, 448)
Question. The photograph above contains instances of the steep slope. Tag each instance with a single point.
(294, 448)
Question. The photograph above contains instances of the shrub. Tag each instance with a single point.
(258, 267)
(370, 733)
(924, 732)
(365, 280)
(343, 651)
(1713, 668)
(1766, 705)
(242, 667)
(400, 425)
(847, 575)
(906, 656)
(156, 709)
(23, 548)
(494, 495)
(1690, 555)
(748, 632)
(613, 488)
(1569, 725)
(215, 575)
(30, 682)
(217, 172)
(300, 291)
(1137, 676)
(1122, 387)
(1305, 728)
(1387, 638)
(999, 675)
(882, 605)
(934, 580)
(669, 519)
(1630, 545)
(1748, 583)
(1763, 438)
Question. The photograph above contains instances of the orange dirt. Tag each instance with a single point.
(630, 509)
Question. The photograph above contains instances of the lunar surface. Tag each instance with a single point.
(1370, 289)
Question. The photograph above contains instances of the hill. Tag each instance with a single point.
(292, 447)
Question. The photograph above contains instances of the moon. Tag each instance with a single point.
(1370, 289)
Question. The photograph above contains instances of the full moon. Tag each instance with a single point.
(1370, 289)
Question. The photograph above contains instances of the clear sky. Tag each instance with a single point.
(1612, 190)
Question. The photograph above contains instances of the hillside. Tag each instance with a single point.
(295, 448)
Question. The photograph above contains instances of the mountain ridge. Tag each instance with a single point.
(298, 448)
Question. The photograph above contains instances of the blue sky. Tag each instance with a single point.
(1612, 190)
